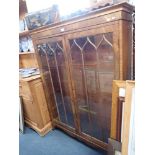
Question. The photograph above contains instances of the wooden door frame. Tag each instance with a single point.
(128, 85)
(100, 29)
(117, 84)
(62, 39)
(127, 116)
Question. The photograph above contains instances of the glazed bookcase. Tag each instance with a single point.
(79, 58)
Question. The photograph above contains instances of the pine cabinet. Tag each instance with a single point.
(79, 58)
(36, 113)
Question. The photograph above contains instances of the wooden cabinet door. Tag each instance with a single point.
(52, 54)
(93, 64)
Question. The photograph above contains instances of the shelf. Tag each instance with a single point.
(90, 63)
(23, 53)
(24, 33)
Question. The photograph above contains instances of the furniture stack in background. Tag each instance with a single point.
(31, 89)
(27, 57)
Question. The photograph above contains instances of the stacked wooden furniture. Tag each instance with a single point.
(78, 59)
(35, 107)
(122, 136)
(26, 59)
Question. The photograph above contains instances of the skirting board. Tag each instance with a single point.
(41, 132)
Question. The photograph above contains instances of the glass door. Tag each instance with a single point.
(92, 62)
(45, 74)
(55, 59)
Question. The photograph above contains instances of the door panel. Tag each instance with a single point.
(43, 66)
(55, 58)
(92, 61)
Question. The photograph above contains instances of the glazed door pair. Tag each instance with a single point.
(82, 66)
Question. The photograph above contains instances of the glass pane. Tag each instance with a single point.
(46, 79)
(93, 72)
(78, 77)
(59, 75)
(42, 58)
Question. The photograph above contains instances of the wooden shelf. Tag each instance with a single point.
(23, 53)
(24, 33)
(33, 77)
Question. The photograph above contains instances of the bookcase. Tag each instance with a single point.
(78, 59)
